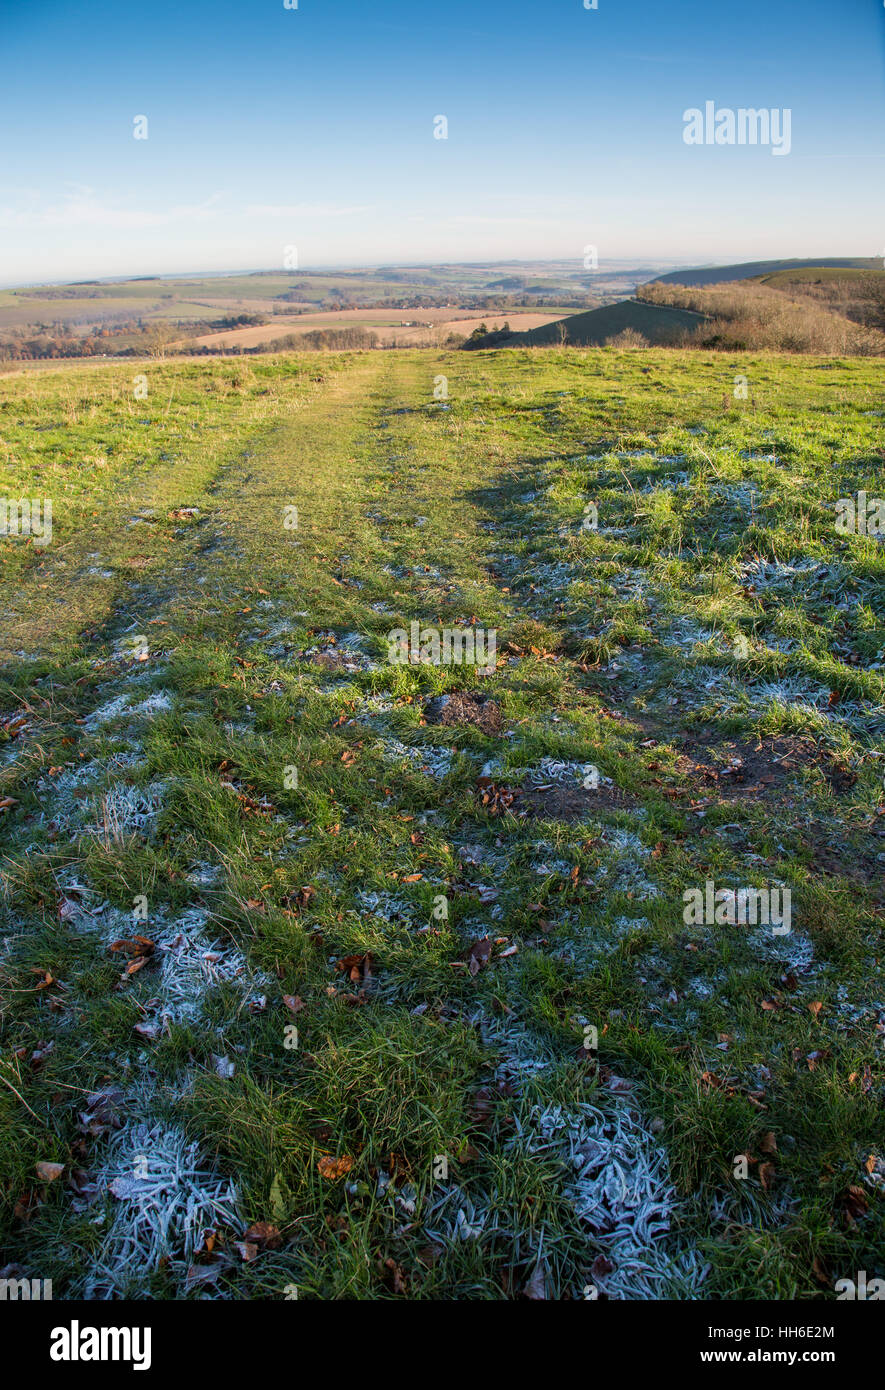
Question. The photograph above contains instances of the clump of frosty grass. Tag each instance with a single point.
(616, 1180)
(434, 762)
(621, 1190)
(158, 702)
(166, 1198)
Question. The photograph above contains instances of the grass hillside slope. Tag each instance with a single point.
(721, 274)
(655, 324)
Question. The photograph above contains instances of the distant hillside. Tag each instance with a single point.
(835, 311)
(748, 270)
(658, 325)
(824, 275)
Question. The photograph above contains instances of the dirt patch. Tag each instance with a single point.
(465, 707)
(755, 768)
(329, 661)
(748, 767)
(568, 803)
(860, 867)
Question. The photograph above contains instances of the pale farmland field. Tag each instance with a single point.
(403, 326)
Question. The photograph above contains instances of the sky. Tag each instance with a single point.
(270, 128)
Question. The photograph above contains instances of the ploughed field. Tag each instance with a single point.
(442, 816)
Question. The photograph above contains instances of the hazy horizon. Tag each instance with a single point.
(606, 267)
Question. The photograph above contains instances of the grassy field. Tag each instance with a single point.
(317, 983)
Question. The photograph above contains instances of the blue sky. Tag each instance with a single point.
(270, 127)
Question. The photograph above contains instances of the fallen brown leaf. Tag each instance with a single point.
(536, 1287)
(479, 954)
(334, 1168)
(49, 1172)
(264, 1235)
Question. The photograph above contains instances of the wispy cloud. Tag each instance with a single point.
(81, 207)
(506, 221)
(302, 210)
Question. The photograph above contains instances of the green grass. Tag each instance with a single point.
(417, 1138)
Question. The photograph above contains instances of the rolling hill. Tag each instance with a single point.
(658, 325)
(749, 270)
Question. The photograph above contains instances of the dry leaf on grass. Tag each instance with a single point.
(536, 1287)
(333, 1168)
(49, 1172)
(479, 954)
(264, 1235)
(854, 1204)
(395, 1277)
